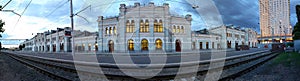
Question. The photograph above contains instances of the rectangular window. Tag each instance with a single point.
(200, 45)
(207, 45)
(213, 45)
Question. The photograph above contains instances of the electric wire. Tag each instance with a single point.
(21, 15)
(61, 5)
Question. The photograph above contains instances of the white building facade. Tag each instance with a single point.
(231, 36)
(142, 28)
(50, 41)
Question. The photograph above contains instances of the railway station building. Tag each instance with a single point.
(143, 28)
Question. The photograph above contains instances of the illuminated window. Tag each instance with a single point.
(155, 26)
(110, 30)
(174, 29)
(127, 26)
(141, 26)
(158, 44)
(147, 26)
(132, 26)
(160, 26)
(144, 26)
(178, 29)
(144, 44)
(130, 45)
(115, 30)
(182, 29)
(106, 30)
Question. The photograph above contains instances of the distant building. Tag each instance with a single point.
(275, 19)
(233, 36)
(86, 42)
(50, 41)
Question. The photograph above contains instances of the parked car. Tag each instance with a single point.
(242, 47)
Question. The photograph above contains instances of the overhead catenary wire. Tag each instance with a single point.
(55, 9)
(21, 15)
(61, 5)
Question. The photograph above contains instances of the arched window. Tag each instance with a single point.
(110, 46)
(128, 26)
(155, 26)
(178, 45)
(115, 30)
(142, 27)
(147, 26)
(130, 45)
(158, 44)
(160, 26)
(174, 29)
(111, 30)
(144, 44)
(106, 30)
(178, 29)
(132, 26)
(182, 29)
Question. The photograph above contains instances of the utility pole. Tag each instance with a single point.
(72, 26)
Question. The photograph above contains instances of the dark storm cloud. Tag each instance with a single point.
(245, 13)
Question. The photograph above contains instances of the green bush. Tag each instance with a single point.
(296, 31)
(291, 44)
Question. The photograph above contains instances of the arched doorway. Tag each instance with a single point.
(228, 44)
(158, 44)
(207, 45)
(53, 48)
(130, 45)
(96, 47)
(110, 46)
(61, 46)
(144, 44)
(178, 45)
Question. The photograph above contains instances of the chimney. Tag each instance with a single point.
(122, 9)
(100, 18)
(188, 17)
(151, 4)
(166, 5)
(137, 4)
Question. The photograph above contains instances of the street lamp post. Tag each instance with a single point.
(280, 31)
(273, 34)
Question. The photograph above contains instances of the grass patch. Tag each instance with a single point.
(287, 59)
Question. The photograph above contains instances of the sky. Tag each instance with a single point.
(43, 15)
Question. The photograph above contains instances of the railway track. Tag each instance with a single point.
(41, 69)
(65, 70)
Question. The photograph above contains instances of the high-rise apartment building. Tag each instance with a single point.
(275, 18)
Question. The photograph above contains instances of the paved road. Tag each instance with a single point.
(143, 59)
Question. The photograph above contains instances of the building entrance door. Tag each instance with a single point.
(111, 46)
(144, 45)
(178, 46)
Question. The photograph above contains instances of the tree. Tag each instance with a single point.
(1, 27)
(1, 30)
(296, 32)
